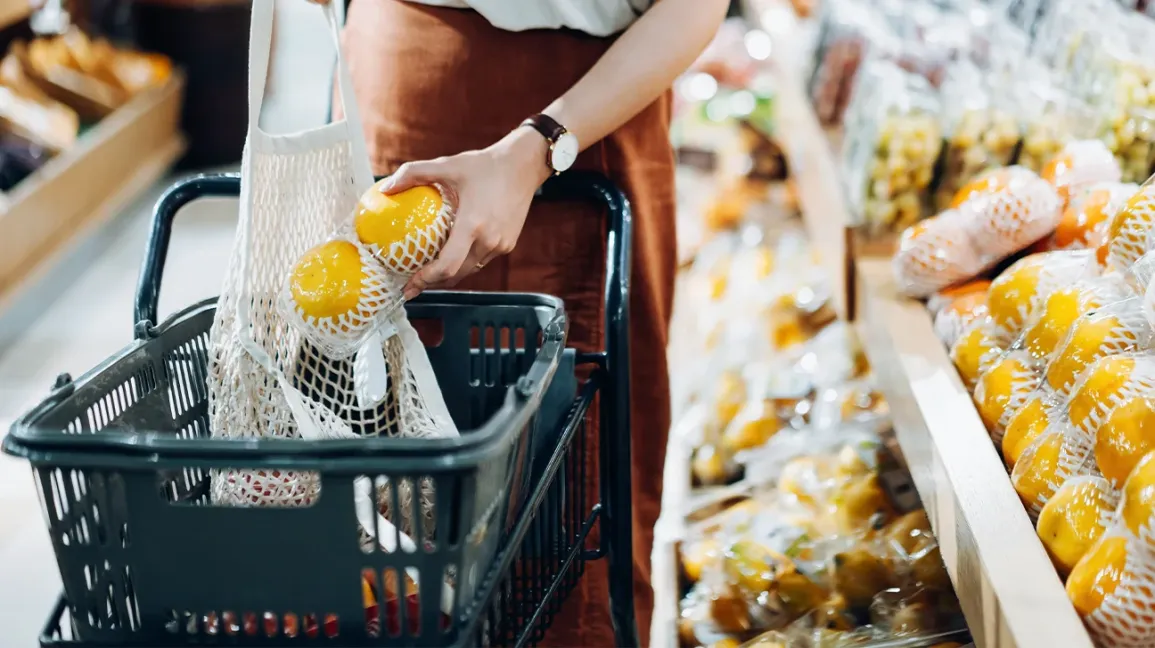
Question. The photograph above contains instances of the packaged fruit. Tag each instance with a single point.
(1088, 214)
(1004, 388)
(981, 134)
(975, 350)
(1081, 164)
(328, 281)
(1060, 453)
(955, 318)
(1075, 518)
(988, 182)
(1111, 588)
(1063, 307)
(1113, 404)
(1020, 291)
(1113, 329)
(1047, 122)
(1129, 234)
(755, 423)
(1040, 410)
(891, 152)
(1137, 508)
(1011, 218)
(405, 230)
(947, 296)
(935, 254)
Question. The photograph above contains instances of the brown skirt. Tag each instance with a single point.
(434, 82)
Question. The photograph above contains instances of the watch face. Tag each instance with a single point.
(564, 152)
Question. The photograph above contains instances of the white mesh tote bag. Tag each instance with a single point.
(344, 366)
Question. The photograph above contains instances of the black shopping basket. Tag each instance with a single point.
(123, 460)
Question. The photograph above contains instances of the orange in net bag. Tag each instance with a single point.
(1064, 306)
(1129, 234)
(1114, 404)
(947, 296)
(1079, 164)
(1113, 329)
(1137, 509)
(1088, 214)
(1009, 219)
(989, 182)
(1075, 518)
(1004, 388)
(953, 320)
(1055, 456)
(975, 350)
(1019, 292)
(1028, 423)
(1113, 589)
(934, 254)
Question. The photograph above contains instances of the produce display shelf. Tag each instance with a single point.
(1009, 591)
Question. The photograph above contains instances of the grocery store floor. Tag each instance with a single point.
(79, 312)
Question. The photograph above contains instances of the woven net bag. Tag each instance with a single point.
(274, 374)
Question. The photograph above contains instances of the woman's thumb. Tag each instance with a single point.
(409, 175)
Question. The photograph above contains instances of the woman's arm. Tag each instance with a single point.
(495, 185)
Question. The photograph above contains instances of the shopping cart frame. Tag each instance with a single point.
(608, 381)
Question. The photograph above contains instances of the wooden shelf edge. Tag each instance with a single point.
(1009, 591)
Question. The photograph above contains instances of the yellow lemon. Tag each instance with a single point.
(384, 221)
(1139, 495)
(1074, 519)
(1130, 228)
(1126, 435)
(805, 478)
(984, 184)
(1101, 382)
(1084, 345)
(974, 352)
(1024, 427)
(751, 428)
(1083, 223)
(326, 282)
(1059, 312)
(695, 556)
(1097, 575)
(1002, 388)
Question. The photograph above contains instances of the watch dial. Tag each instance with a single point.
(565, 152)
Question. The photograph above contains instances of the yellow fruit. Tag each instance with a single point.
(1101, 384)
(1036, 473)
(751, 428)
(1139, 496)
(1024, 427)
(860, 501)
(1013, 293)
(1074, 519)
(805, 478)
(1003, 389)
(1126, 435)
(1084, 223)
(1130, 229)
(710, 466)
(1059, 312)
(986, 183)
(695, 556)
(1084, 345)
(326, 282)
(974, 352)
(402, 218)
(729, 398)
(1097, 575)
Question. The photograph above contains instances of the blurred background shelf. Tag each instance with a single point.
(1009, 591)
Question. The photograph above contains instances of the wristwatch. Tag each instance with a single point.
(563, 146)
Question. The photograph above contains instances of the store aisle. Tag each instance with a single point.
(88, 316)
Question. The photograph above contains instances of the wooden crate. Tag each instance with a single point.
(81, 188)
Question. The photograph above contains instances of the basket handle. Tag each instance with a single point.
(156, 252)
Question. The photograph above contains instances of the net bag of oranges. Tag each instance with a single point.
(310, 339)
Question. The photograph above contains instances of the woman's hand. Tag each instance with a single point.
(493, 188)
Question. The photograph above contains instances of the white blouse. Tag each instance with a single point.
(594, 17)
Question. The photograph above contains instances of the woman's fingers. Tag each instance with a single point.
(414, 174)
(445, 266)
(479, 256)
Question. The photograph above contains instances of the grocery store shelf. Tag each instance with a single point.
(1009, 591)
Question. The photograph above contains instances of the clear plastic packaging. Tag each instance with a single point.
(849, 31)
(1129, 235)
(1060, 310)
(987, 227)
(1003, 389)
(1018, 293)
(1035, 416)
(977, 348)
(1113, 404)
(1074, 519)
(1050, 116)
(1080, 164)
(1112, 589)
(1113, 329)
(981, 133)
(954, 319)
(1060, 453)
(1088, 215)
(892, 146)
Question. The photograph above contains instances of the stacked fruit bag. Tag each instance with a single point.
(1060, 354)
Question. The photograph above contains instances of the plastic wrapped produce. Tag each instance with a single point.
(849, 31)
(1035, 416)
(1138, 500)
(1129, 234)
(891, 151)
(1004, 388)
(1112, 404)
(1081, 164)
(1088, 215)
(977, 348)
(1060, 453)
(1075, 518)
(1113, 329)
(1020, 291)
(1063, 307)
(1111, 588)
(980, 133)
(951, 321)
(935, 254)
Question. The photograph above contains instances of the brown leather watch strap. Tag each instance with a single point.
(546, 125)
